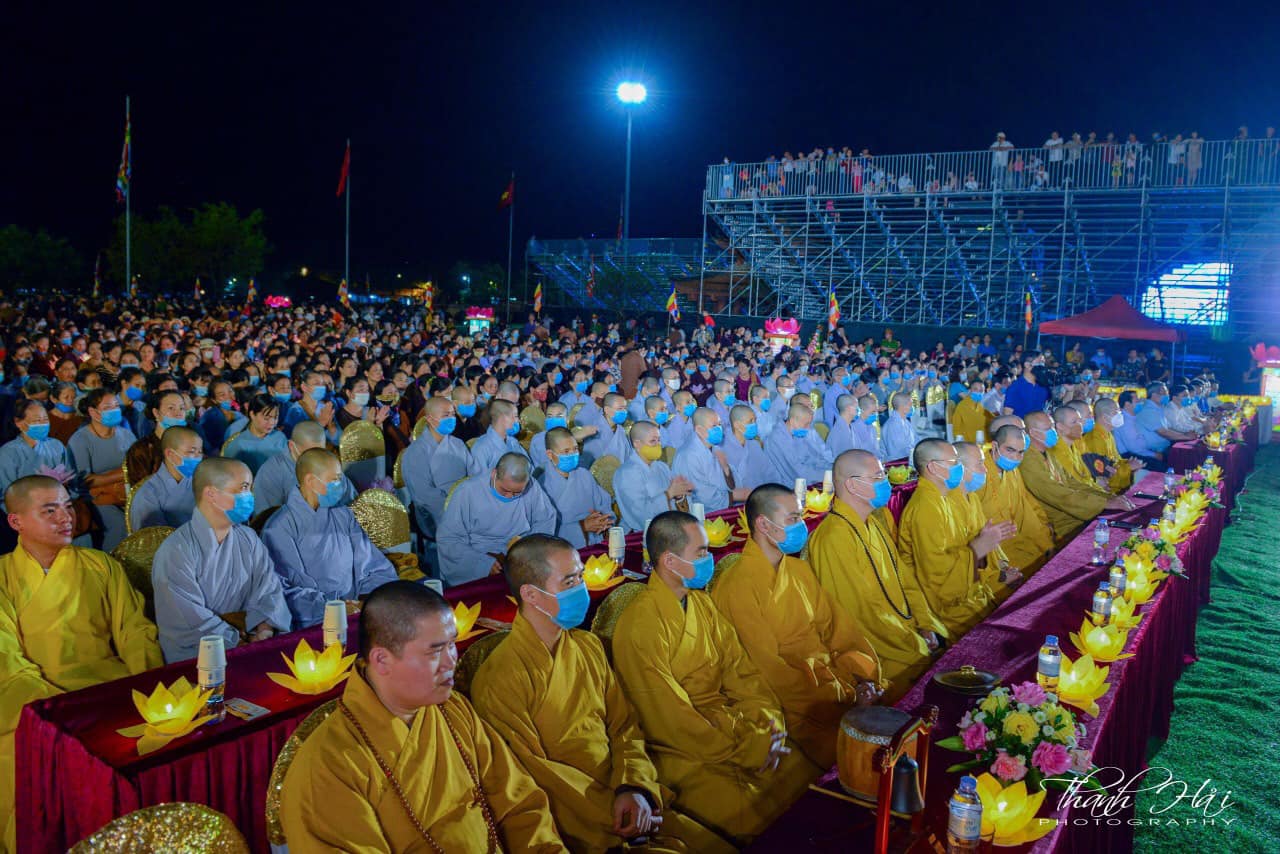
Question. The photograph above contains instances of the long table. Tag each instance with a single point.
(1054, 600)
(1236, 461)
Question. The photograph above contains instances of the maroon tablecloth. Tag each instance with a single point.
(1236, 460)
(1054, 600)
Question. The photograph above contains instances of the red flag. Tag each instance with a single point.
(508, 197)
(346, 170)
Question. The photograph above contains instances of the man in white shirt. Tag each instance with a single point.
(1000, 159)
(1054, 146)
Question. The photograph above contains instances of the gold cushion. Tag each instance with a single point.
(383, 518)
(361, 440)
(275, 832)
(128, 501)
(603, 471)
(822, 429)
(573, 414)
(606, 618)
(448, 496)
(532, 420)
(136, 552)
(419, 427)
(722, 566)
(179, 828)
(668, 455)
(397, 475)
(471, 660)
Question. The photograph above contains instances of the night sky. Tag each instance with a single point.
(251, 104)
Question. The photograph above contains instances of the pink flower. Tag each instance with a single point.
(1011, 769)
(1050, 759)
(1029, 692)
(1122, 553)
(1151, 533)
(975, 737)
(1164, 563)
(1197, 476)
(1081, 760)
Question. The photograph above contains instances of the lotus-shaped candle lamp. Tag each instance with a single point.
(170, 712)
(899, 474)
(1172, 532)
(465, 616)
(743, 528)
(718, 532)
(475, 312)
(600, 573)
(1213, 474)
(817, 501)
(312, 672)
(1213, 441)
(1122, 612)
(1102, 643)
(1009, 815)
(1139, 587)
(778, 326)
(1081, 683)
(1135, 564)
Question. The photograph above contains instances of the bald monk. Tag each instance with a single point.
(548, 692)
(715, 730)
(1000, 574)
(810, 651)
(1067, 450)
(68, 618)
(404, 764)
(970, 417)
(165, 498)
(1005, 499)
(1068, 503)
(1101, 440)
(938, 543)
(278, 475)
(855, 556)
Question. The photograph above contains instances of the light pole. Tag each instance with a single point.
(631, 95)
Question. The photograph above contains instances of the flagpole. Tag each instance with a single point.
(511, 230)
(128, 212)
(346, 267)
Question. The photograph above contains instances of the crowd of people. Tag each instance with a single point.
(712, 710)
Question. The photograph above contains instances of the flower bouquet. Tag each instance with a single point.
(1023, 734)
(1153, 548)
(1206, 480)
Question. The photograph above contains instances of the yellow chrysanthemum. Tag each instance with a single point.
(1022, 726)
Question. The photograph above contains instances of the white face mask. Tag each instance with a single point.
(674, 385)
(1117, 420)
(361, 398)
(787, 393)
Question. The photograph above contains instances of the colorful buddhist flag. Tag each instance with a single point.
(833, 310)
(253, 292)
(673, 308)
(1027, 304)
(125, 173)
(591, 275)
(346, 170)
(133, 287)
(196, 288)
(508, 197)
(429, 299)
(537, 299)
(343, 296)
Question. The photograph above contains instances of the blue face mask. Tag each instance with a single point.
(37, 432)
(1088, 425)
(503, 498)
(730, 400)
(975, 396)
(63, 408)
(1026, 441)
(112, 418)
(167, 422)
(894, 376)
(765, 403)
(794, 538)
(703, 568)
(133, 393)
(581, 388)
(282, 397)
(703, 369)
(242, 510)
(200, 390)
(933, 375)
(884, 490)
(613, 388)
(846, 380)
(661, 418)
(800, 432)
(688, 409)
(567, 462)
(318, 393)
(690, 370)
(870, 419)
(188, 466)
(1164, 398)
(332, 495)
(715, 436)
(554, 421)
(225, 404)
(975, 482)
(556, 377)
(447, 426)
(466, 410)
(1051, 438)
(620, 417)
(514, 429)
(954, 475)
(1007, 464)
(254, 380)
(752, 430)
(1188, 401)
(571, 606)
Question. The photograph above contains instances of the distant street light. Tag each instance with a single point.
(631, 94)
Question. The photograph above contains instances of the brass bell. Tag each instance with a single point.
(906, 798)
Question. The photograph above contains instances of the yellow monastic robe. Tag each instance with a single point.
(564, 716)
(1102, 442)
(336, 798)
(79, 625)
(809, 650)
(1067, 454)
(707, 714)
(1005, 499)
(968, 419)
(933, 540)
(1068, 504)
(857, 563)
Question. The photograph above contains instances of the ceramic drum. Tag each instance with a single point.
(863, 731)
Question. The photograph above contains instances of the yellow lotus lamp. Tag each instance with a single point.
(1213, 474)
(168, 713)
(1102, 643)
(1212, 440)
(1136, 564)
(1122, 612)
(817, 501)
(899, 474)
(313, 672)
(743, 528)
(1081, 683)
(1009, 814)
(600, 572)
(465, 616)
(1139, 587)
(718, 532)
(1172, 532)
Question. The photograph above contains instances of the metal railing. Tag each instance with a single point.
(1116, 165)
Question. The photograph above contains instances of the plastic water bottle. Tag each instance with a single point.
(1170, 479)
(964, 826)
(1118, 580)
(1101, 539)
(1102, 604)
(1050, 664)
(211, 667)
(1170, 513)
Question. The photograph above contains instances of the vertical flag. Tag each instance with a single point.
(196, 288)
(537, 299)
(1027, 304)
(429, 300)
(97, 277)
(833, 310)
(591, 275)
(673, 308)
(133, 287)
(508, 197)
(346, 170)
(343, 296)
(125, 172)
(253, 292)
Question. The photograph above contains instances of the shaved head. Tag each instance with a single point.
(499, 408)
(1038, 421)
(390, 615)
(219, 473)
(529, 561)
(307, 435)
(435, 407)
(854, 463)
(740, 415)
(703, 417)
(513, 468)
(318, 463)
(557, 410)
(179, 439)
(24, 492)
(799, 414)
(670, 533)
(643, 431)
(1005, 420)
(1010, 435)
(560, 441)
(931, 450)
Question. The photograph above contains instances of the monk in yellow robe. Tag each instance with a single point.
(1068, 504)
(854, 553)
(68, 618)
(548, 692)
(809, 650)
(1067, 451)
(937, 541)
(999, 573)
(1101, 440)
(714, 729)
(457, 785)
(970, 417)
(1005, 499)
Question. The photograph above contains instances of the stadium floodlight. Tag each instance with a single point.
(630, 92)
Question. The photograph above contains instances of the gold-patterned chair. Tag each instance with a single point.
(275, 785)
(471, 443)
(722, 566)
(822, 429)
(448, 496)
(363, 452)
(573, 414)
(668, 455)
(603, 471)
(129, 493)
(469, 664)
(533, 420)
(606, 618)
(384, 518)
(179, 828)
(419, 426)
(136, 553)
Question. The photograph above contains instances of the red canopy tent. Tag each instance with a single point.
(1115, 318)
